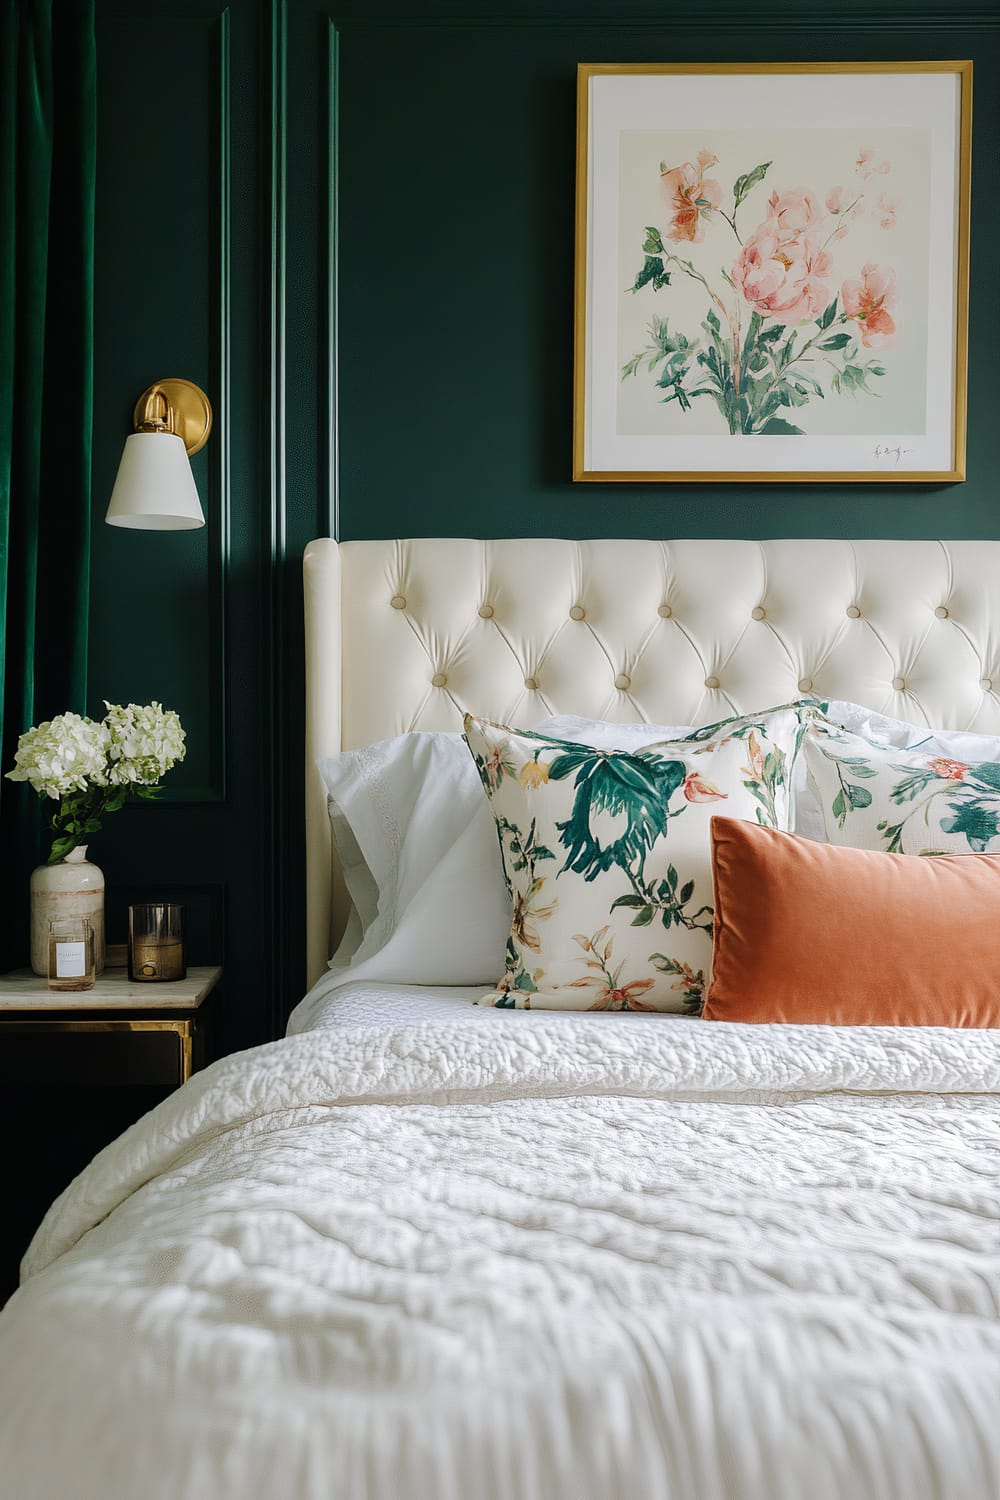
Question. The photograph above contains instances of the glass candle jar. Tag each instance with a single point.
(71, 954)
(156, 941)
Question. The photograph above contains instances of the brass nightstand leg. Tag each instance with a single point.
(186, 1039)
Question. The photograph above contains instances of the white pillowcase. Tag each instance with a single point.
(417, 844)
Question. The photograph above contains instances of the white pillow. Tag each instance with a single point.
(398, 809)
(406, 815)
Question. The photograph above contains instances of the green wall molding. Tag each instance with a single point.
(671, 15)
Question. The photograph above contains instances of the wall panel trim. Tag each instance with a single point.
(218, 504)
(848, 15)
(332, 275)
(275, 841)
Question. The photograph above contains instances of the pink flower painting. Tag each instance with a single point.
(868, 300)
(784, 278)
(788, 317)
(690, 197)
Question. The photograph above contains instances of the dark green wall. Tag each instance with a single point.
(444, 383)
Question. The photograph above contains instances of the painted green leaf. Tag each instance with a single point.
(776, 427)
(836, 341)
(753, 329)
(653, 244)
(858, 796)
(652, 271)
(687, 891)
(987, 772)
(839, 808)
(637, 786)
(630, 900)
(976, 821)
(644, 917)
(749, 180)
(912, 783)
(828, 316)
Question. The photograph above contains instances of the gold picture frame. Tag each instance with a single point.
(842, 303)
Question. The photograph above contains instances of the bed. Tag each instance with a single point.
(428, 1247)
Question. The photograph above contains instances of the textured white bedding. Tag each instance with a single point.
(334, 1001)
(582, 1259)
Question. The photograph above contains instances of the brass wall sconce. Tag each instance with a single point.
(155, 488)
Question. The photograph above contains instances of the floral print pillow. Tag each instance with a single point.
(607, 856)
(901, 801)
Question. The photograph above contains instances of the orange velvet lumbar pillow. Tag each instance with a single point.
(808, 932)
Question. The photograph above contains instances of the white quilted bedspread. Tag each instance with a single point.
(662, 1261)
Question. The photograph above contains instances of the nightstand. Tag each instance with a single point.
(152, 1031)
(75, 1071)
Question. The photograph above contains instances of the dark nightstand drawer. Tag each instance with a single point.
(41, 1055)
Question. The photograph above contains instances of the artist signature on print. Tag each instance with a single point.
(881, 451)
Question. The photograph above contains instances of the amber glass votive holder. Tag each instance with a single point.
(156, 941)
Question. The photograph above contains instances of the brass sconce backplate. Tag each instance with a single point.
(191, 408)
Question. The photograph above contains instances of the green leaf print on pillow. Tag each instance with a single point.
(910, 803)
(607, 856)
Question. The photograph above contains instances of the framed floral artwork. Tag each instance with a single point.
(772, 271)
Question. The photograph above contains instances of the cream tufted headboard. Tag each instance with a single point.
(407, 635)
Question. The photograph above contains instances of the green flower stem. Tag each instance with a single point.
(840, 218)
(820, 333)
(689, 270)
(734, 325)
(670, 904)
(731, 222)
(925, 806)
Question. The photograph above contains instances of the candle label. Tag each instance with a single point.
(71, 960)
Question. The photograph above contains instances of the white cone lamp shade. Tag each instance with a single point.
(155, 488)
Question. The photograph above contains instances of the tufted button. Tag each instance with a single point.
(711, 682)
(531, 684)
(397, 601)
(760, 613)
(899, 684)
(805, 684)
(623, 681)
(941, 612)
(664, 611)
(986, 683)
(486, 611)
(578, 612)
(853, 612)
(439, 679)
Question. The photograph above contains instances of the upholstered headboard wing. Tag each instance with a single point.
(405, 635)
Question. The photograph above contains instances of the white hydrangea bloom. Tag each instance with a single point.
(141, 742)
(62, 755)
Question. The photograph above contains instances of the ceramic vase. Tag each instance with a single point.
(73, 887)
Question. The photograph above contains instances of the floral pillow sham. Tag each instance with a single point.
(607, 855)
(874, 796)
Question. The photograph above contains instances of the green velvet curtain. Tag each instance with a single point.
(48, 129)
